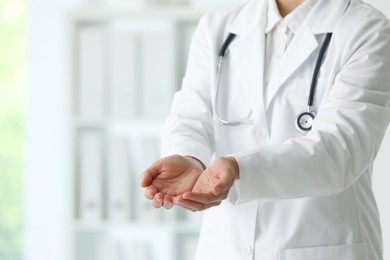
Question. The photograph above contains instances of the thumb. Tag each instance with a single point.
(150, 173)
(227, 174)
(224, 184)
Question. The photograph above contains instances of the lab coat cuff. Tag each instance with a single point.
(240, 191)
(234, 192)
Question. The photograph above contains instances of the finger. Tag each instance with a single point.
(194, 205)
(157, 203)
(184, 207)
(204, 198)
(159, 196)
(181, 203)
(167, 204)
(177, 200)
(150, 173)
(150, 192)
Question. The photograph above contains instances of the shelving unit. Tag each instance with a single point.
(53, 229)
(126, 66)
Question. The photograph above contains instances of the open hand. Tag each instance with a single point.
(169, 177)
(212, 187)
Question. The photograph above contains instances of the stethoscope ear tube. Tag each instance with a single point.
(317, 67)
(226, 44)
(222, 53)
(222, 121)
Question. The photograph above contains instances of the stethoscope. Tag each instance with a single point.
(304, 121)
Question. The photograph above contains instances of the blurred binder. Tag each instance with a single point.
(187, 31)
(91, 70)
(158, 83)
(91, 174)
(124, 75)
(189, 245)
(110, 250)
(146, 150)
(140, 250)
(119, 180)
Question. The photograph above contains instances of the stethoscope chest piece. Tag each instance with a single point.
(304, 121)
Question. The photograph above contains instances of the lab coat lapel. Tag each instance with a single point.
(323, 18)
(302, 46)
(248, 50)
(249, 55)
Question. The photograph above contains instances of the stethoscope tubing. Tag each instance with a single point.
(317, 67)
(222, 53)
(313, 84)
(219, 71)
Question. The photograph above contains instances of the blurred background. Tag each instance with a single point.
(75, 132)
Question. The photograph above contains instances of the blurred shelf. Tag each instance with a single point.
(120, 99)
(118, 123)
(174, 13)
(135, 227)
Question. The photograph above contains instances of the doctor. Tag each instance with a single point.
(292, 178)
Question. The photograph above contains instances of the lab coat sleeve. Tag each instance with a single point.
(346, 135)
(188, 129)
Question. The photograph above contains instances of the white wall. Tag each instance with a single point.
(382, 5)
(47, 211)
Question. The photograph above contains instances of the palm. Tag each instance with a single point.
(206, 182)
(217, 171)
(176, 175)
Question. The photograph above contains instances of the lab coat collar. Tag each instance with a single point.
(323, 17)
(326, 14)
(273, 16)
(299, 50)
(251, 16)
(249, 25)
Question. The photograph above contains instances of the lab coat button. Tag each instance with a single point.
(246, 250)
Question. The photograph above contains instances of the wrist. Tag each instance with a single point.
(199, 162)
(235, 167)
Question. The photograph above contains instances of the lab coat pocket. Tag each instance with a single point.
(337, 252)
(298, 91)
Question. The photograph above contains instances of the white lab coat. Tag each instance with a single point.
(298, 197)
